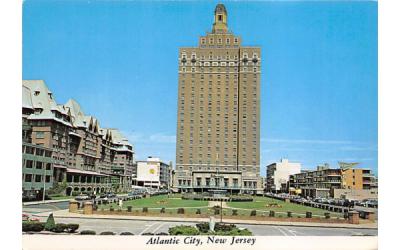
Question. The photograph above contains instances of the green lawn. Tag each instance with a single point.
(260, 203)
(159, 202)
(172, 203)
(61, 197)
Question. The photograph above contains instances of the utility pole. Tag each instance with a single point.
(44, 184)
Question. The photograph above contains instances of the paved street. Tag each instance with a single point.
(138, 227)
(40, 208)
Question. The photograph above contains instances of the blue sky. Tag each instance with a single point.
(118, 59)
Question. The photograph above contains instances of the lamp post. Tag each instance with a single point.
(44, 184)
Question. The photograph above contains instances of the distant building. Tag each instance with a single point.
(152, 173)
(324, 181)
(278, 175)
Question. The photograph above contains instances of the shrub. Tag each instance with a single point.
(147, 233)
(75, 193)
(162, 210)
(111, 209)
(88, 232)
(126, 233)
(203, 227)
(327, 215)
(162, 233)
(107, 233)
(289, 214)
(72, 227)
(253, 213)
(234, 212)
(145, 210)
(308, 215)
(59, 228)
(50, 223)
(129, 208)
(198, 211)
(224, 227)
(181, 211)
(183, 230)
(271, 213)
(216, 211)
(30, 226)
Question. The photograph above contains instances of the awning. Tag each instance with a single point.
(75, 134)
(59, 166)
(78, 171)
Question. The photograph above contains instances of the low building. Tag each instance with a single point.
(355, 194)
(278, 175)
(324, 181)
(152, 173)
(318, 183)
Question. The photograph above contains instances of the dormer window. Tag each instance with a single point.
(37, 92)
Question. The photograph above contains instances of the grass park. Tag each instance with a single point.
(262, 205)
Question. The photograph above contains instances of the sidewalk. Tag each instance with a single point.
(45, 202)
(67, 214)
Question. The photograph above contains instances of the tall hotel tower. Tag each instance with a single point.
(218, 126)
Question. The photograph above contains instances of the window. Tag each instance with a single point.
(219, 17)
(48, 166)
(38, 178)
(29, 164)
(48, 177)
(39, 152)
(39, 135)
(28, 177)
(39, 165)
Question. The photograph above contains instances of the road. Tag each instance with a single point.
(138, 227)
(41, 208)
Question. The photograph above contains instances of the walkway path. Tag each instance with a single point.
(217, 203)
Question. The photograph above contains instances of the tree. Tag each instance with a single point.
(50, 223)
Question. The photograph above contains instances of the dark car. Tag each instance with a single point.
(111, 195)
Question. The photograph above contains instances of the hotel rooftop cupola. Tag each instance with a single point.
(220, 19)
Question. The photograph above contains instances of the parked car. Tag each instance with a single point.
(82, 197)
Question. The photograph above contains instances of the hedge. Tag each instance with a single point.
(59, 228)
(88, 232)
(72, 227)
(203, 227)
(126, 233)
(183, 230)
(107, 233)
(30, 226)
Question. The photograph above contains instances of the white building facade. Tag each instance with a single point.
(278, 175)
(152, 173)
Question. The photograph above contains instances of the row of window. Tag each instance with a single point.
(36, 178)
(203, 41)
(38, 164)
(193, 70)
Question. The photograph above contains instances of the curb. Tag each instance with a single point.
(173, 219)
